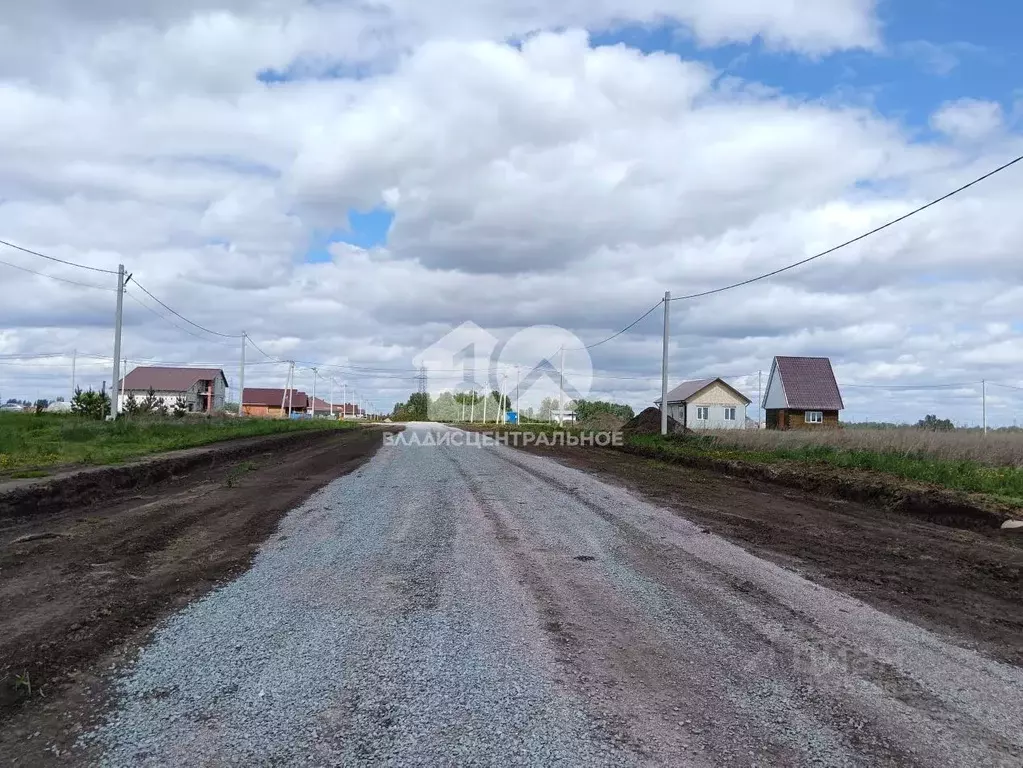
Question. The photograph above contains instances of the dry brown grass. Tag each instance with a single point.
(999, 449)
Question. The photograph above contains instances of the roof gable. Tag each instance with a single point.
(689, 389)
(169, 379)
(809, 383)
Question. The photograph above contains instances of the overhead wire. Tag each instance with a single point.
(59, 261)
(59, 279)
(857, 239)
(179, 315)
(166, 319)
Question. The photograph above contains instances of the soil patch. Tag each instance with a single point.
(961, 583)
(604, 422)
(79, 582)
(648, 422)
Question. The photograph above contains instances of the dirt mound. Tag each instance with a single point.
(602, 422)
(649, 423)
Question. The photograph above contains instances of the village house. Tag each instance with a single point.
(802, 394)
(707, 404)
(203, 390)
(274, 403)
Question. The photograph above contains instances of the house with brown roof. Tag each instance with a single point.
(707, 404)
(802, 394)
(202, 389)
(274, 403)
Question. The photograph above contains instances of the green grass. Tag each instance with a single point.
(961, 475)
(30, 442)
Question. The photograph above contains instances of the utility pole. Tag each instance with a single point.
(486, 396)
(117, 340)
(518, 380)
(344, 399)
(983, 401)
(664, 366)
(291, 388)
(472, 407)
(760, 399)
(315, 376)
(241, 380)
(561, 389)
(74, 367)
(332, 397)
(463, 409)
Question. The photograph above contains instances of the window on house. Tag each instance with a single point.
(729, 414)
(702, 413)
(814, 417)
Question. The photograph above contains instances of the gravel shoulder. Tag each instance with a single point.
(454, 605)
(79, 583)
(964, 584)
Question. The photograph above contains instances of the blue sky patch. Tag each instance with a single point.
(934, 51)
(366, 230)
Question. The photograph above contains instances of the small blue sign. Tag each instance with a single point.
(512, 417)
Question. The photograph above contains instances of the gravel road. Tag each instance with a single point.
(457, 605)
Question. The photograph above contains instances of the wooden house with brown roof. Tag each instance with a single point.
(802, 394)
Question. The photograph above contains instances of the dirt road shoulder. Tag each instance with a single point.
(122, 553)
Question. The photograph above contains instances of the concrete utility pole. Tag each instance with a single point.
(291, 388)
(332, 397)
(117, 340)
(472, 407)
(241, 380)
(983, 402)
(74, 371)
(315, 376)
(664, 366)
(344, 399)
(760, 399)
(486, 396)
(518, 380)
(561, 389)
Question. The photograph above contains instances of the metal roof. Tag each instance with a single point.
(809, 383)
(169, 379)
(688, 389)
(273, 397)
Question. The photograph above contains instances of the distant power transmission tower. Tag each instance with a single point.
(422, 379)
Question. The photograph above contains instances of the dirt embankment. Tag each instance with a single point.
(962, 583)
(91, 560)
(936, 505)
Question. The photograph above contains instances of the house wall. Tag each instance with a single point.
(780, 418)
(164, 396)
(774, 395)
(269, 411)
(197, 395)
(715, 398)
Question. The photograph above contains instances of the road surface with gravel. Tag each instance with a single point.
(462, 605)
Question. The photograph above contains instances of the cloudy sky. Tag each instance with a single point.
(349, 180)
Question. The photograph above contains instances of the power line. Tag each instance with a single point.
(178, 314)
(59, 261)
(626, 329)
(60, 279)
(1004, 386)
(912, 386)
(865, 235)
(260, 351)
(142, 304)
